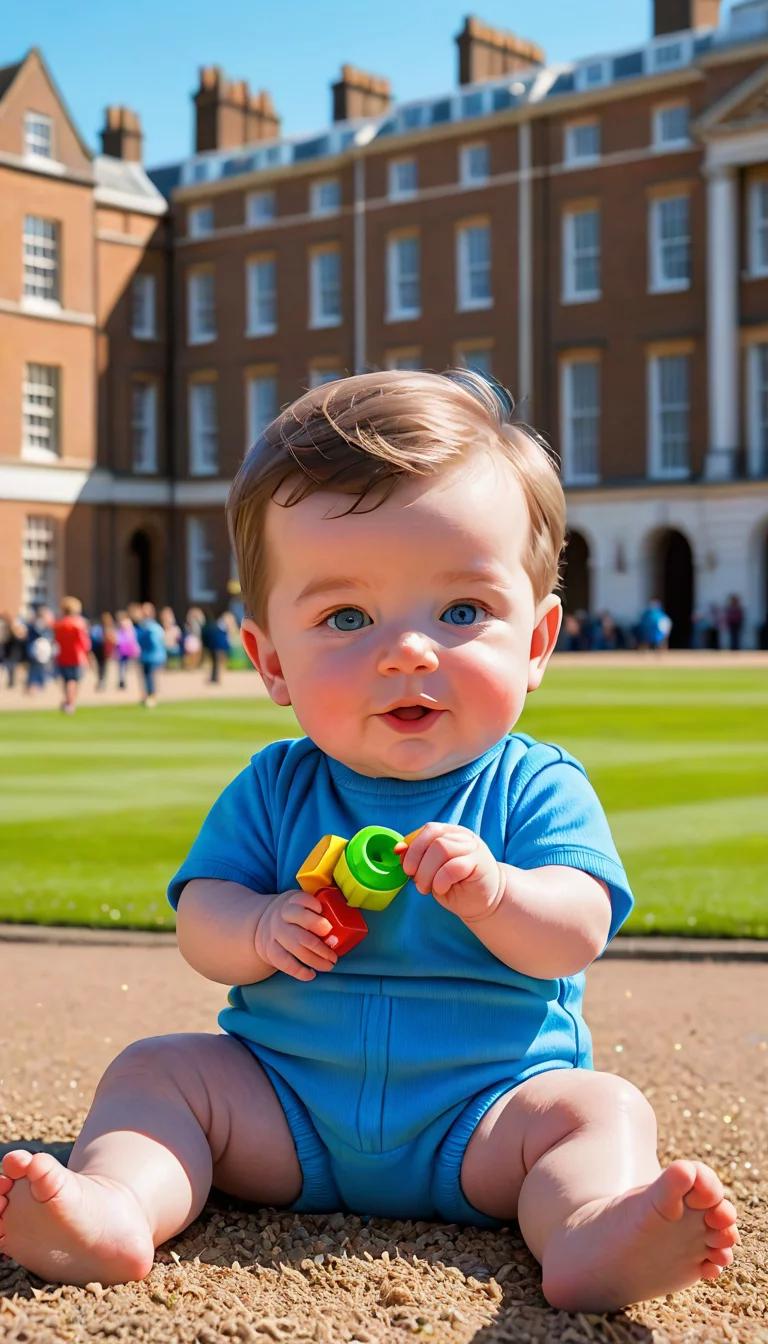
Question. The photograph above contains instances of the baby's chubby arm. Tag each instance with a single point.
(236, 936)
(544, 922)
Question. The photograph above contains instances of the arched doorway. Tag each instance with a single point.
(673, 583)
(575, 584)
(140, 567)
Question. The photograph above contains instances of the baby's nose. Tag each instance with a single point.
(412, 652)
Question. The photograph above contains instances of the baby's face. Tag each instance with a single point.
(406, 638)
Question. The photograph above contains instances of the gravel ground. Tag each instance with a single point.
(693, 1036)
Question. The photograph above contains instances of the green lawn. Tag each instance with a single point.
(98, 810)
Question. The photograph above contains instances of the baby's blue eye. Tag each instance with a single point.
(462, 613)
(349, 618)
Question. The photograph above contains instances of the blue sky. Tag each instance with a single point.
(146, 53)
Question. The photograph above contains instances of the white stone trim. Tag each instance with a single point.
(722, 319)
(49, 313)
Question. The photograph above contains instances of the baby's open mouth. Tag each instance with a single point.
(411, 718)
(411, 711)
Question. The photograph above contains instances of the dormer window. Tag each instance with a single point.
(593, 75)
(38, 136)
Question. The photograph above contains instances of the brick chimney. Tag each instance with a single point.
(228, 115)
(122, 136)
(358, 94)
(489, 53)
(675, 16)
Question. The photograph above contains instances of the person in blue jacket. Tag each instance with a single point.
(152, 651)
(398, 540)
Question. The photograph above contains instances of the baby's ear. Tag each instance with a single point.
(546, 628)
(263, 655)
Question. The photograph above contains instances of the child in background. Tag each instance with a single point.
(126, 647)
(71, 635)
(398, 543)
(152, 653)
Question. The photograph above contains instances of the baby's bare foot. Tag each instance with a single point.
(653, 1240)
(68, 1227)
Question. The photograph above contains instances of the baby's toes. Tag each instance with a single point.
(16, 1164)
(720, 1216)
(46, 1177)
(707, 1190)
(6, 1184)
(709, 1271)
(722, 1258)
(728, 1236)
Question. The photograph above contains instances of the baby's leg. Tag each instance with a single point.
(171, 1116)
(607, 1224)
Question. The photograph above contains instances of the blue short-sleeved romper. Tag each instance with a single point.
(385, 1065)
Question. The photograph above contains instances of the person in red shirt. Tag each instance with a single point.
(73, 645)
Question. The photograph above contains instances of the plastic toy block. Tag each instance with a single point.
(368, 871)
(317, 869)
(349, 927)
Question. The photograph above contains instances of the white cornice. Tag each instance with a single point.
(48, 314)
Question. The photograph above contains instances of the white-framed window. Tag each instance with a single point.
(758, 227)
(259, 208)
(478, 358)
(581, 255)
(40, 411)
(473, 267)
(474, 164)
(201, 307)
(580, 420)
(323, 373)
(593, 74)
(325, 196)
(203, 428)
(403, 277)
(143, 307)
(38, 136)
(670, 243)
(669, 53)
(582, 142)
(41, 259)
(261, 287)
(325, 287)
(671, 126)
(199, 221)
(144, 427)
(201, 560)
(38, 562)
(404, 359)
(669, 416)
(402, 179)
(261, 407)
(757, 373)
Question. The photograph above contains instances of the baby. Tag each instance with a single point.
(398, 542)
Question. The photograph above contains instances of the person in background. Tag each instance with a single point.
(215, 639)
(713, 630)
(15, 647)
(173, 637)
(734, 621)
(193, 637)
(152, 655)
(39, 649)
(655, 626)
(126, 647)
(74, 644)
(103, 642)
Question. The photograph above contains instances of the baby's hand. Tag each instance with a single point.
(289, 936)
(456, 866)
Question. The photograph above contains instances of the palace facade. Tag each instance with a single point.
(593, 234)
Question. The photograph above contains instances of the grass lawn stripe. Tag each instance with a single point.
(98, 810)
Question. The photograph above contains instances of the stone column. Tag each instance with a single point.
(722, 321)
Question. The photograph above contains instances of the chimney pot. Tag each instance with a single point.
(356, 93)
(490, 53)
(122, 136)
(676, 16)
(228, 115)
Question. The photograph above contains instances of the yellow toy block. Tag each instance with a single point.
(317, 869)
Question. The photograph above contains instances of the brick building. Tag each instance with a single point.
(594, 234)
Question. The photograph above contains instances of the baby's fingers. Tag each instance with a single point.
(454, 871)
(311, 950)
(304, 918)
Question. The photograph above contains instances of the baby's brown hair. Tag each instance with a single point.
(361, 435)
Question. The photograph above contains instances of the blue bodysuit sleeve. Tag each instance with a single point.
(558, 819)
(235, 842)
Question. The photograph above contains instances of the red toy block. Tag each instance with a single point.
(349, 927)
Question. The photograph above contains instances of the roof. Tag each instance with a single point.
(123, 182)
(7, 75)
